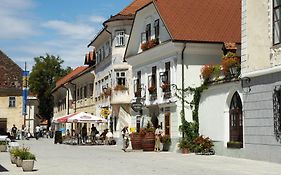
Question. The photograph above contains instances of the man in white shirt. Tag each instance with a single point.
(37, 131)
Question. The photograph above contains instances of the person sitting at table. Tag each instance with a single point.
(103, 135)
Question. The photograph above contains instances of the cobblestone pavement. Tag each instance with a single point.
(60, 159)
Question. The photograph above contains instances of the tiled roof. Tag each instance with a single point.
(128, 12)
(11, 73)
(202, 20)
(71, 75)
(134, 6)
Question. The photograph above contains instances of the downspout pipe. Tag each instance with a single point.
(182, 79)
(67, 98)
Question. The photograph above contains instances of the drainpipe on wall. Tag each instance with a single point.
(182, 82)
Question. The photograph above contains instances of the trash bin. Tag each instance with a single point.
(58, 137)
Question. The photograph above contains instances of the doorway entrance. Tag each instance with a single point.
(236, 120)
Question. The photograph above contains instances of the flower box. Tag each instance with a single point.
(152, 89)
(165, 87)
(119, 87)
(234, 144)
(149, 44)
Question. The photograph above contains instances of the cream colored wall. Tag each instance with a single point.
(258, 52)
(13, 114)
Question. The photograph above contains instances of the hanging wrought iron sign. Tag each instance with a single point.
(137, 106)
(277, 112)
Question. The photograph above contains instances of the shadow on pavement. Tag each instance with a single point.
(3, 169)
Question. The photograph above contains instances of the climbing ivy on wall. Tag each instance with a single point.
(190, 129)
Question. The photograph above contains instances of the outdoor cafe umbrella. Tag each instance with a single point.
(83, 117)
(63, 119)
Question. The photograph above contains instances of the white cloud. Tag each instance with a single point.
(13, 18)
(73, 30)
(97, 19)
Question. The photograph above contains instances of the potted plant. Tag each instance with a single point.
(152, 89)
(120, 87)
(18, 154)
(203, 145)
(149, 44)
(230, 62)
(165, 87)
(3, 146)
(14, 152)
(207, 71)
(107, 92)
(234, 144)
(166, 140)
(148, 142)
(28, 161)
(152, 43)
(184, 145)
(136, 140)
(138, 93)
(144, 46)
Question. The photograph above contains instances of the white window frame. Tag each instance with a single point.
(12, 102)
(120, 38)
(119, 76)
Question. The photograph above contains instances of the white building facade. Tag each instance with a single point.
(164, 57)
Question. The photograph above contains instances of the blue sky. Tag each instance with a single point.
(30, 28)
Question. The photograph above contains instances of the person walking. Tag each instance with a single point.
(37, 132)
(84, 133)
(158, 134)
(125, 135)
(14, 131)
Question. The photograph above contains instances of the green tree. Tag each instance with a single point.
(46, 71)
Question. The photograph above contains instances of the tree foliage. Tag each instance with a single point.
(46, 71)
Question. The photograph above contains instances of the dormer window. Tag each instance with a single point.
(156, 28)
(120, 38)
(121, 78)
(148, 32)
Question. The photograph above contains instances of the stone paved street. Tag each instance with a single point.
(108, 160)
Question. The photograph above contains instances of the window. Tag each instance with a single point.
(78, 94)
(154, 75)
(167, 70)
(85, 92)
(276, 21)
(137, 86)
(98, 56)
(91, 89)
(12, 101)
(148, 32)
(107, 49)
(81, 93)
(277, 112)
(120, 78)
(120, 38)
(102, 53)
(156, 28)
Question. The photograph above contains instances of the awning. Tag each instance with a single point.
(83, 117)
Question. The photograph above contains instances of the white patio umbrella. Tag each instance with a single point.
(83, 117)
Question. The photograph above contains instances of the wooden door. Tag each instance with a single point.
(167, 123)
(3, 126)
(236, 119)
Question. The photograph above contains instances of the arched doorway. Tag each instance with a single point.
(236, 120)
